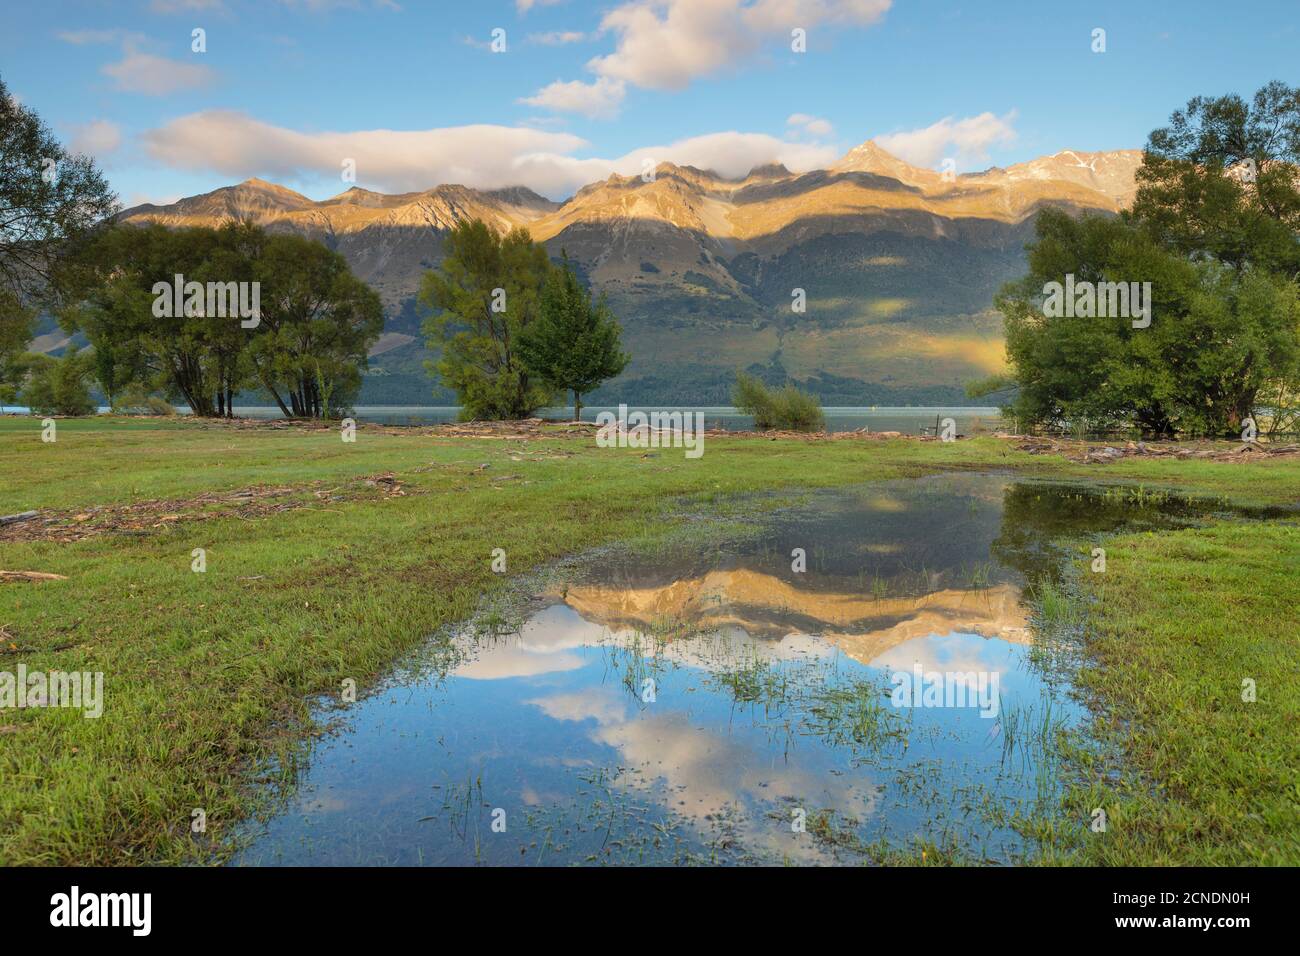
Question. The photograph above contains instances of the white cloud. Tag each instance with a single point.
(142, 199)
(319, 6)
(665, 44)
(139, 72)
(237, 145)
(115, 35)
(967, 141)
(185, 6)
(732, 153)
(523, 6)
(482, 156)
(809, 125)
(692, 38)
(557, 37)
(97, 138)
(157, 75)
(596, 100)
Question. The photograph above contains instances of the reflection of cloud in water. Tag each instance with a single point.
(740, 615)
(323, 803)
(545, 642)
(710, 774)
(949, 652)
(536, 798)
(706, 773)
(541, 647)
(600, 706)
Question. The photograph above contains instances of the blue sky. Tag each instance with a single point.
(412, 94)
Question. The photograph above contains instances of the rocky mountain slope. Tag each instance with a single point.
(898, 265)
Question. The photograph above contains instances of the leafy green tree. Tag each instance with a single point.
(574, 344)
(318, 322)
(1223, 180)
(196, 357)
(1215, 229)
(117, 367)
(58, 386)
(485, 295)
(315, 322)
(50, 203)
(1217, 336)
(17, 325)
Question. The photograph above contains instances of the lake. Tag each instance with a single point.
(909, 420)
(906, 419)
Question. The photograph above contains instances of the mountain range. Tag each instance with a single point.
(898, 266)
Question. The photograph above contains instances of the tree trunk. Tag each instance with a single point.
(577, 406)
(279, 401)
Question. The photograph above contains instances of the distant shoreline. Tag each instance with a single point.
(908, 419)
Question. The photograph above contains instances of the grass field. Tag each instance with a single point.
(208, 675)
(1196, 638)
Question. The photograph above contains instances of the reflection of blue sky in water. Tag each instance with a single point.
(780, 702)
(537, 717)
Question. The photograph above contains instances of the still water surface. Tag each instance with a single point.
(699, 703)
(909, 420)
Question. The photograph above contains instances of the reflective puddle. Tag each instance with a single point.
(735, 702)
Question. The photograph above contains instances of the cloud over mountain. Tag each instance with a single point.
(966, 141)
(481, 156)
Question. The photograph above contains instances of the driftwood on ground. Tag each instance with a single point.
(31, 576)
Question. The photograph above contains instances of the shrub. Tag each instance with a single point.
(787, 408)
(136, 401)
(58, 386)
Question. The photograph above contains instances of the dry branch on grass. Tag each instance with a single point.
(149, 517)
(31, 576)
(1202, 451)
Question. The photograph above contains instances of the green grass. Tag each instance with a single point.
(1179, 621)
(208, 677)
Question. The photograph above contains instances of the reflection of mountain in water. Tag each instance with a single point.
(764, 606)
(897, 529)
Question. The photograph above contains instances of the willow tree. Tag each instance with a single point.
(318, 322)
(189, 354)
(306, 346)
